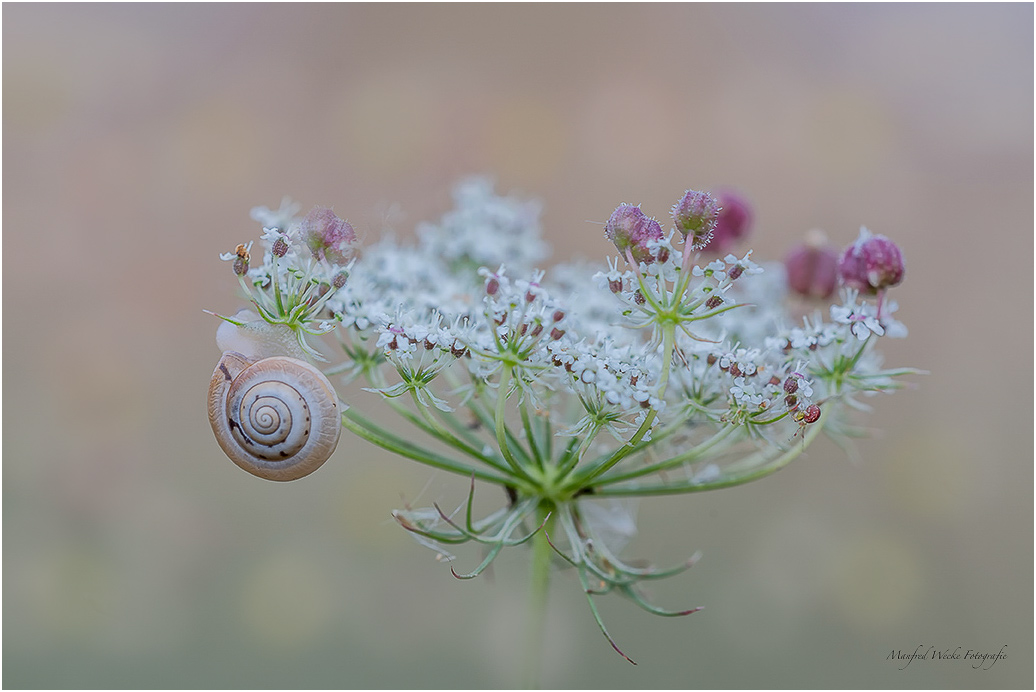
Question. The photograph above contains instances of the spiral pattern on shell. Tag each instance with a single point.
(277, 418)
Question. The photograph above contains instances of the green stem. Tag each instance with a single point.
(693, 454)
(429, 424)
(501, 427)
(486, 418)
(753, 472)
(572, 462)
(539, 588)
(530, 435)
(375, 434)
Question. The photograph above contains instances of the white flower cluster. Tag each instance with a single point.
(697, 368)
(594, 336)
(485, 229)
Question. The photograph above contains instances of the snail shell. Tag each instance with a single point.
(277, 418)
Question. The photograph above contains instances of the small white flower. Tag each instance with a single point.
(272, 234)
(861, 319)
(228, 256)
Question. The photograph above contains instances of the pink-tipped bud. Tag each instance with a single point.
(631, 229)
(280, 247)
(340, 279)
(733, 223)
(812, 267)
(328, 236)
(871, 264)
(695, 216)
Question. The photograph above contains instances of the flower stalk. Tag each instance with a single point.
(539, 590)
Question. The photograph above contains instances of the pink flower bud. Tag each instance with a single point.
(695, 216)
(812, 414)
(812, 267)
(871, 264)
(630, 229)
(328, 236)
(733, 223)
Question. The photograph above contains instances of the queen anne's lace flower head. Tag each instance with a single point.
(694, 367)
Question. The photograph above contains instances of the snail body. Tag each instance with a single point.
(276, 417)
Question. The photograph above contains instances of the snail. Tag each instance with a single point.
(275, 416)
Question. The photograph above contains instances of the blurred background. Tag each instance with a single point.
(137, 138)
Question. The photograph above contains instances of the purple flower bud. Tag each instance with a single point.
(713, 302)
(492, 286)
(695, 216)
(630, 229)
(280, 247)
(733, 223)
(812, 267)
(241, 258)
(340, 279)
(812, 414)
(328, 236)
(871, 264)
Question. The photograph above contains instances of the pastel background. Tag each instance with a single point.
(136, 139)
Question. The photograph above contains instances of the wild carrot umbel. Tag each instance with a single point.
(668, 371)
